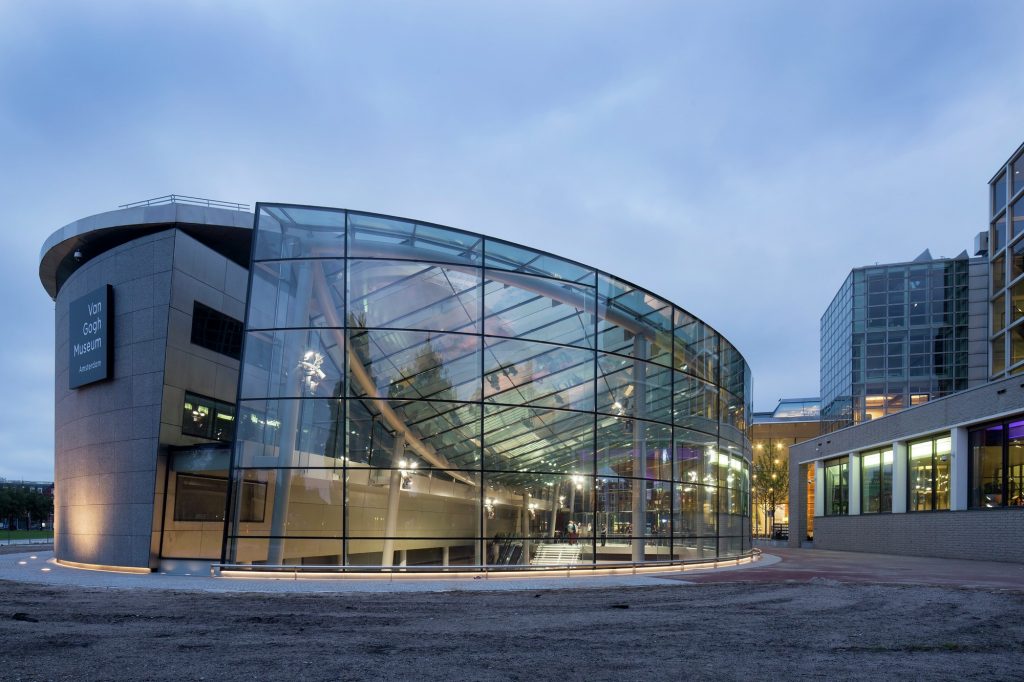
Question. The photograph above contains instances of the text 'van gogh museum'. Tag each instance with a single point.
(313, 387)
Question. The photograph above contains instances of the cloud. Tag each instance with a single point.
(736, 159)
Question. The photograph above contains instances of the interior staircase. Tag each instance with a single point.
(557, 554)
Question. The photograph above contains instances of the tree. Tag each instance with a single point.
(18, 503)
(770, 479)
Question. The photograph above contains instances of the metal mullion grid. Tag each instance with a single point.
(387, 357)
(344, 403)
(485, 554)
(409, 279)
(593, 467)
(548, 343)
(226, 536)
(718, 446)
(553, 434)
(520, 267)
(672, 434)
(415, 237)
(528, 301)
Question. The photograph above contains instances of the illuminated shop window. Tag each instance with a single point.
(928, 474)
(837, 487)
(876, 482)
(207, 418)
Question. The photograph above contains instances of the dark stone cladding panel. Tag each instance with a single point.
(106, 433)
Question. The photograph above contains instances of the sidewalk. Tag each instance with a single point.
(778, 565)
(818, 565)
(40, 568)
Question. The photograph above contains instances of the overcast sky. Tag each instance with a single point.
(736, 158)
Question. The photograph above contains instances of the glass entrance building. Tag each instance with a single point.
(415, 394)
(382, 392)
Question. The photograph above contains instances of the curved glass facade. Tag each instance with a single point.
(416, 394)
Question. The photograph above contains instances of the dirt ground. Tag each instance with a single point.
(821, 629)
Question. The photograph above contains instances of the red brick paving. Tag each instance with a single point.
(805, 565)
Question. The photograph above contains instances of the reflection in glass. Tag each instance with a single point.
(527, 373)
(632, 322)
(526, 307)
(405, 365)
(293, 363)
(696, 347)
(417, 395)
(837, 487)
(505, 256)
(372, 236)
(876, 482)
(295, 294)
(633, 388)
(533, 439)
(299, 232)
(405, 295)
(999, 194)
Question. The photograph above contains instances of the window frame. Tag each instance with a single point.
(217, 408)
(882, 480)
(844, 489)
(933, 441)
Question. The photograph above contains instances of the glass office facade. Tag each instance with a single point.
(893, 337)
(416, 394)
(1006, 254)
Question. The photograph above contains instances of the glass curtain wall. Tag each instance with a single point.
(416, 395)
(1006, 253)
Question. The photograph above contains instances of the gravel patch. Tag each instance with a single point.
(823, 629)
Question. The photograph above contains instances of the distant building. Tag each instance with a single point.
(943, 476)
(772, 433)
(17, 520)
(1006, 250)
(901, 334)
(43, 487)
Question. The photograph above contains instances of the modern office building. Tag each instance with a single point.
(901, 334)
(944, 477)
(772, 434)
(312, 386)
(1006, 254)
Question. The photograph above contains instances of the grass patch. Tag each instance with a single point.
(6, 535)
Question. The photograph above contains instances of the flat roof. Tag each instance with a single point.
(229, 232)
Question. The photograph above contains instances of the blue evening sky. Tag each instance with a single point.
(737, 158)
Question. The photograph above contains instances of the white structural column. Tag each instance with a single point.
(525, 530)
(289, 430)
(899, 477)
(959, 459)
(394, 494)
(483, 555)
(819, 488)
(639, 519)
(556, 490)
(853, 476)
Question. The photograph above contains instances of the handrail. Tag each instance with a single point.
(184, 199)
(217, 568)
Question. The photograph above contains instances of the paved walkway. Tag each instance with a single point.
(778, 565)
(806, 565)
